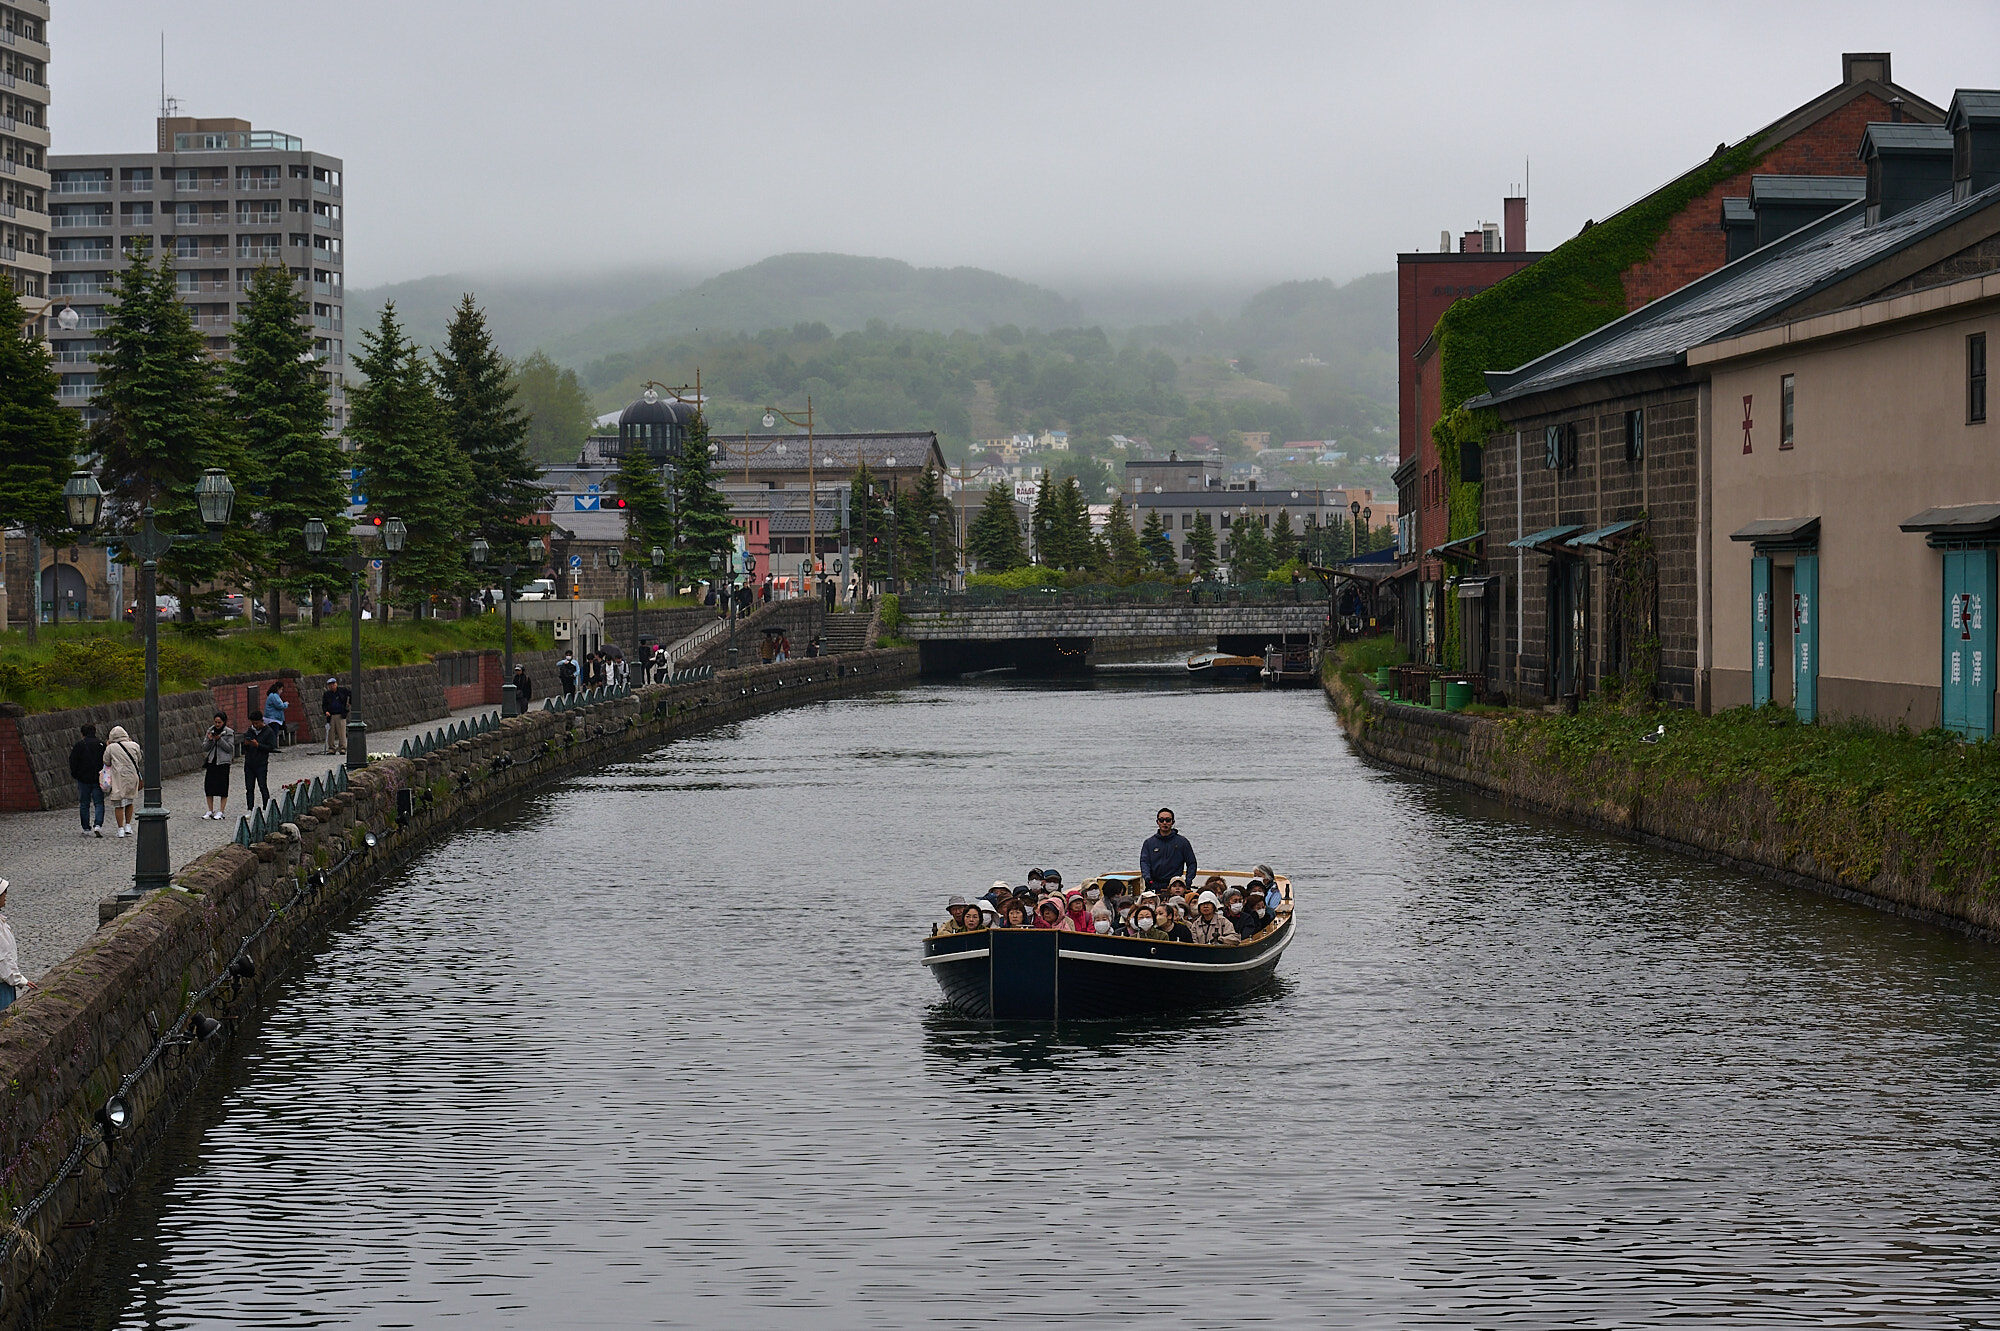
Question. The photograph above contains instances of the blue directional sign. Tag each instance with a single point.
(576, 561)
(585, 503)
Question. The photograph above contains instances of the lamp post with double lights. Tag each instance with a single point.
(718, 564)
(635, 581)
(83, 498)
(772, 415)
(507, 568)
(394, 533)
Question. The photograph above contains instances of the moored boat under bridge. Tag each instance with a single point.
(1057, 630)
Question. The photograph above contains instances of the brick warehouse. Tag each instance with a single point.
(1596, 504)
(1812, 143)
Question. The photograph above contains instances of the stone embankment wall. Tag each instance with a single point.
(95, 1025)
(1740, 822)
(799, 617)
(1166, 620)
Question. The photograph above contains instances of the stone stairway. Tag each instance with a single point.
(846, 633)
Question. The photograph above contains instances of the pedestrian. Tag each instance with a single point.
(767, 589)
(12, 982)
(334, 705)
(275, 708)
(1165, 855)
(86, 764)
(524, 688)
(259, 740)
(826, 592)
(566, 673)
(218, 751)
(122, 759)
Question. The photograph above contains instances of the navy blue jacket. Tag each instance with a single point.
(1166, 857)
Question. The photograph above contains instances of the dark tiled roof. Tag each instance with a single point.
(1974, 104)
(1738, 210)
(1843, 189)
(908, 447)
(1734, 297)
(1904, 136)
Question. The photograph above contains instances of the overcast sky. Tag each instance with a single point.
(1061, 142)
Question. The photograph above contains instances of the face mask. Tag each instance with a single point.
(1235, 908)
(1145, 921)
(1093, 894)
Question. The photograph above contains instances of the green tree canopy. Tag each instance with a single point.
(278, 406)
(1157, 544)
(38, 438)
(476, 399)
(1201, 545)
(414, 472)
(1284, 541)
(995, 539)
(558, 409)
(705, 526)
(1249, 549)
(1042, 523)
(1126, 559)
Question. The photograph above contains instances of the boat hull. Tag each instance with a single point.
(1055, 975)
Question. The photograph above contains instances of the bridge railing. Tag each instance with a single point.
(1106, 595)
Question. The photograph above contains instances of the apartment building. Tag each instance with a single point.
(24, 147)
(222, 198)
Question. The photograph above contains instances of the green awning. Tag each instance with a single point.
(1604, 537)
(1541, 540)
(1461, 549)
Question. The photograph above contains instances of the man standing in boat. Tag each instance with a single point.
(1166, 855)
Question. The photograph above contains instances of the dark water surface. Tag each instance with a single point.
(656, 1049)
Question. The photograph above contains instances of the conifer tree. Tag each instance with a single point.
(649, 509)
(995, 538)
(413, 470)
(925, 521)
(1069, 531)
(278, 405)
(475, 392)
(703, 524)
(1041, 522)
(1122, 543)
(868, 523)
(38, 438)
(163, 423)
(1250, 552)
(1201, 545)
(1284, 542)
(1157, 544)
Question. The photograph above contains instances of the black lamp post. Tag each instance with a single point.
(507, 568)
(635, 583)
(1354, 529)
(355, 562)
(84, 500)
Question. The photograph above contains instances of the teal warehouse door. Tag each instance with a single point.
(1805, 637)
(1760, 631)
(1968, 643)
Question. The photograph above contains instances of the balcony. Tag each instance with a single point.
(77, 392)
(260, 220)
(221, 321)
(201, 251)
(81, 256)
(207, 285)
(136, 186)
(201, 186)
(63, 221)
(77, 288)
(253, 184)
(80, 187)
(260, 252)
(76, 358)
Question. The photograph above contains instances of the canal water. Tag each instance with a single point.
(655, 1049)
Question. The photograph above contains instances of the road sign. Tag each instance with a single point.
(592, 490)
(375, 564)
(576, 561)
(585, 503)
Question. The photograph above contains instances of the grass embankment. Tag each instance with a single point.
(75, 665)
(1852, 797)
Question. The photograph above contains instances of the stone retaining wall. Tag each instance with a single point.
(34, 750)
(799, 617)
(1739, 823)
(66, 1046)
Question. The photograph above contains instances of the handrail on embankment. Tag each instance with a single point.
(94, 1061)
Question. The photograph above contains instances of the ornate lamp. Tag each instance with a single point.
(216, 497)
(83, 497)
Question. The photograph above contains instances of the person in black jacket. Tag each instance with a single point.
(566, 673)
(259, 742)
(1166, 855)
(86, 760)
(524, 688)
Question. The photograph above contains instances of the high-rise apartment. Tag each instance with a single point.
(223, 199)
(24, 148)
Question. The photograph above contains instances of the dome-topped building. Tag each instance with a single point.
(655, 426)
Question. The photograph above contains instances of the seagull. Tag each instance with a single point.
(1656, 736)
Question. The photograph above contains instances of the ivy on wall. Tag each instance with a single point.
(1577, 287)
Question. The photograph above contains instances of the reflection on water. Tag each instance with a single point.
(656, 1050)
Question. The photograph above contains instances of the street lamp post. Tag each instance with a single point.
(635, 582)
(507, 568)
(84, 500)
(394, 532)
(771, 418)
(1354, 529)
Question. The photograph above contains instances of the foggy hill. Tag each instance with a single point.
(841, 291)
(523, 312)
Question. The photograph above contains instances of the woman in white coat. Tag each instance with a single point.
(124, 758)
(11, 979)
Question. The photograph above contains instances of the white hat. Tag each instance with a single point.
(1207, 899)
(1001, 885)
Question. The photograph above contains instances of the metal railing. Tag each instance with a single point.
(80, 187)
(446, 736)
(62, 220)
(299, 797)
(1107, 594)
(563, 702)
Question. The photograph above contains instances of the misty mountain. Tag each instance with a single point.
(842, 291)
(1343, 334)
(523, 312)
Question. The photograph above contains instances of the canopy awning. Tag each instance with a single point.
(1956, 523)
(1472, 589)
(1604, 538)
(1779, 531)
(1464, 549)
(1546, 538)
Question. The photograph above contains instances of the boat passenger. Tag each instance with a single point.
(1256, 915)
(958, 906)
(1049, 915)
(1098, 909)
(996, 895)
(978, 917)
(1175, 922)
(1145, 924)
(1079, 916)
(1016, 915)
(1209, 924)
(1166, 852)
(1035, 877)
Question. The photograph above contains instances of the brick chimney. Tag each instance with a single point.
(1514, 220)
(1864, 67)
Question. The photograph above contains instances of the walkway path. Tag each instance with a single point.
(59, 876)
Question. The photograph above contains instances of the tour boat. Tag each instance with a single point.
(1224, 665)
(1054, 974)
(1293, 665)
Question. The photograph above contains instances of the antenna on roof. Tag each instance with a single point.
(168, 106)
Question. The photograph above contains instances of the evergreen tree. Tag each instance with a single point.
(1284, 542)
(926, 520)
(1041, 522)
(1069, 531)
(995, 538)
(559, 415)
(1122, 543)
(649, 509)
(704, 525)
(475, 393)
(1157, 545)
(163, 424)
(278, 405)
(413, 470)
(1250, 554)
(38, 438)
(1201, 545)
(868, 522)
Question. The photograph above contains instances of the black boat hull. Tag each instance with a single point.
(1052, 975)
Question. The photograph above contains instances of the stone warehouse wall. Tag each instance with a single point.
(1738, 823)
(67, 1046)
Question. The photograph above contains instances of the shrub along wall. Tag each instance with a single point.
(105, 1021)
(1919, 845)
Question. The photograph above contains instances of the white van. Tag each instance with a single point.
(541, 589)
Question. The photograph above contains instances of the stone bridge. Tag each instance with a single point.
(1060, 630)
